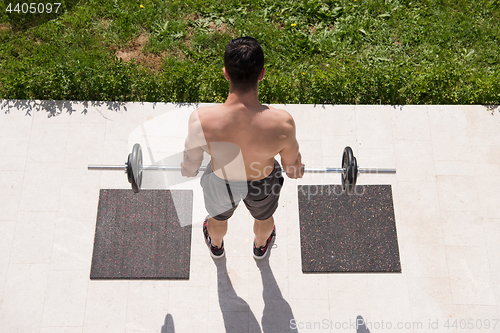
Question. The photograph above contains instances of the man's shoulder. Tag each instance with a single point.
(281, 116)
(204, 113)
(278, 111)
(208, 109)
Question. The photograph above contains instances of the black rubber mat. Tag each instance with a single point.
(341, 233)
(138, 236)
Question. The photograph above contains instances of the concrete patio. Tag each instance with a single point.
(446, 201)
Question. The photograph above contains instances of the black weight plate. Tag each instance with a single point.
(348, 162)
(129, 169)
(354, 174)
(136, 163)
(139, 179)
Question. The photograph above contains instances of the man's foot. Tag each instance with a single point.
(261, 252)
(215, 252)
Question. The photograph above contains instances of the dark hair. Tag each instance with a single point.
(243, 60)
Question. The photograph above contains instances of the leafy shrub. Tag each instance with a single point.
(333, 51)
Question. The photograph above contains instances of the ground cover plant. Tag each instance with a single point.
(339, 52)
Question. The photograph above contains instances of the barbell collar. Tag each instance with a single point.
(370, 170)
(107, 167)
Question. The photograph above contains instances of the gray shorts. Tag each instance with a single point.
(223, 196)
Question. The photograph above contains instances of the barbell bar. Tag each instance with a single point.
(134, 168)
(203, 168)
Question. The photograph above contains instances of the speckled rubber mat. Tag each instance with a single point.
(138, 236)
(341, 233)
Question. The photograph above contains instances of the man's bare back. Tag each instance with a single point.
(258, 135)
(242, 137)
(242, 140)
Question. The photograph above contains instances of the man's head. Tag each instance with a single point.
(244, 61)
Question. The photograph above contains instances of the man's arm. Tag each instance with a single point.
(193, 151)
(291, 159)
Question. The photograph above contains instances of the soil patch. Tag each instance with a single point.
(135, 52)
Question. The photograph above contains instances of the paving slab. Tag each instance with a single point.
(445, 197)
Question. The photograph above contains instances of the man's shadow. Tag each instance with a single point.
(238, 317)
(277, 312)
(168, 326)
(361, 325)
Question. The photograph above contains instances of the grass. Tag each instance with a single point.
(339, 52)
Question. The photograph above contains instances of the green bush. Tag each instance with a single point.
(341, 52)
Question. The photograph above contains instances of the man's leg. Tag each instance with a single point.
(217, 230)
(262, 230)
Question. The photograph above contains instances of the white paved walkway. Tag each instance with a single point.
(446, 199)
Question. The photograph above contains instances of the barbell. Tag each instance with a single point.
(134, 168)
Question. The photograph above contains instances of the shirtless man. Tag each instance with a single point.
(242, 137)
